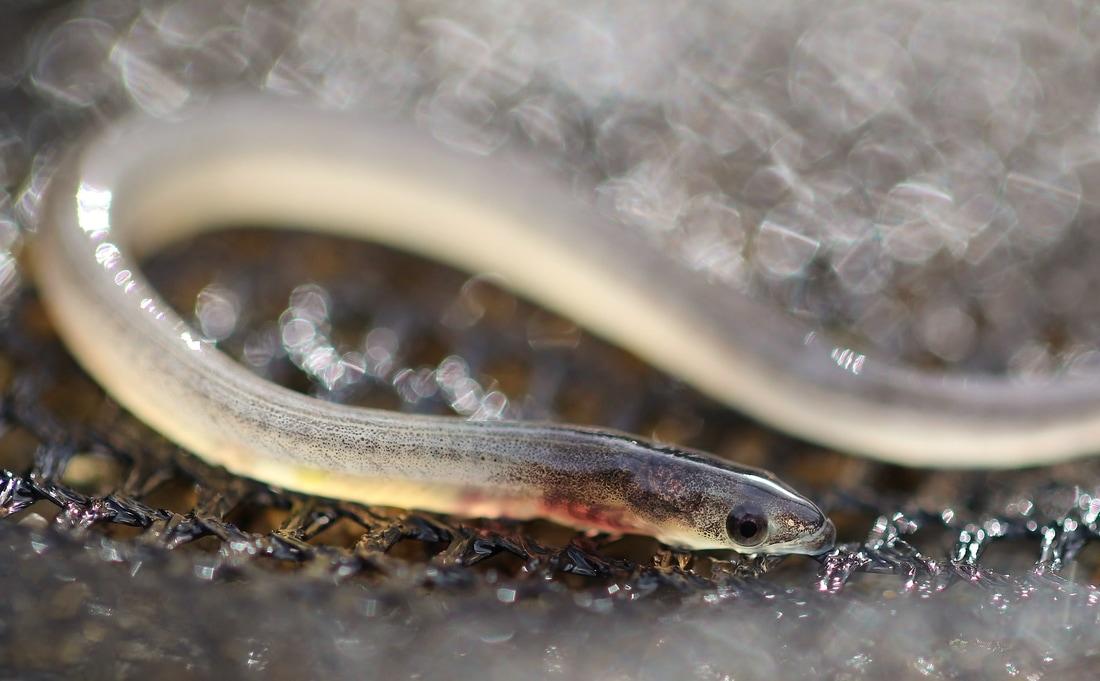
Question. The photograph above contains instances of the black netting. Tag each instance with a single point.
(123, 557)
(88, 482)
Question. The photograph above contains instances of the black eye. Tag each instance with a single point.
(746, 526)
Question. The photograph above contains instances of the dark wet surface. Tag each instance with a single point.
(124, 557)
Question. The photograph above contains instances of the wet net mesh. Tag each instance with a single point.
(123, 556)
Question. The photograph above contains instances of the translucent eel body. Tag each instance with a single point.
(143, 183)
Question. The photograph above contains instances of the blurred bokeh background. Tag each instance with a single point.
(920, 178)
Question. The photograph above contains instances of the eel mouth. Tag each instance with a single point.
(823, 540)
(819, 542)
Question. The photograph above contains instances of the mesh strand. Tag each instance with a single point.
(113, 531)
(124, 557)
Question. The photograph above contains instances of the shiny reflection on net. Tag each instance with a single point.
(931, 145)
(304, 335)
(218, 310)
(305, 330)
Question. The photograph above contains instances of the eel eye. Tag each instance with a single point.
(746, 526)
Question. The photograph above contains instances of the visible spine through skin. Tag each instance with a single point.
(105, 200)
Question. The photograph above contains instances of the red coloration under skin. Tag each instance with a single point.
(592, 517)
(567, 512)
